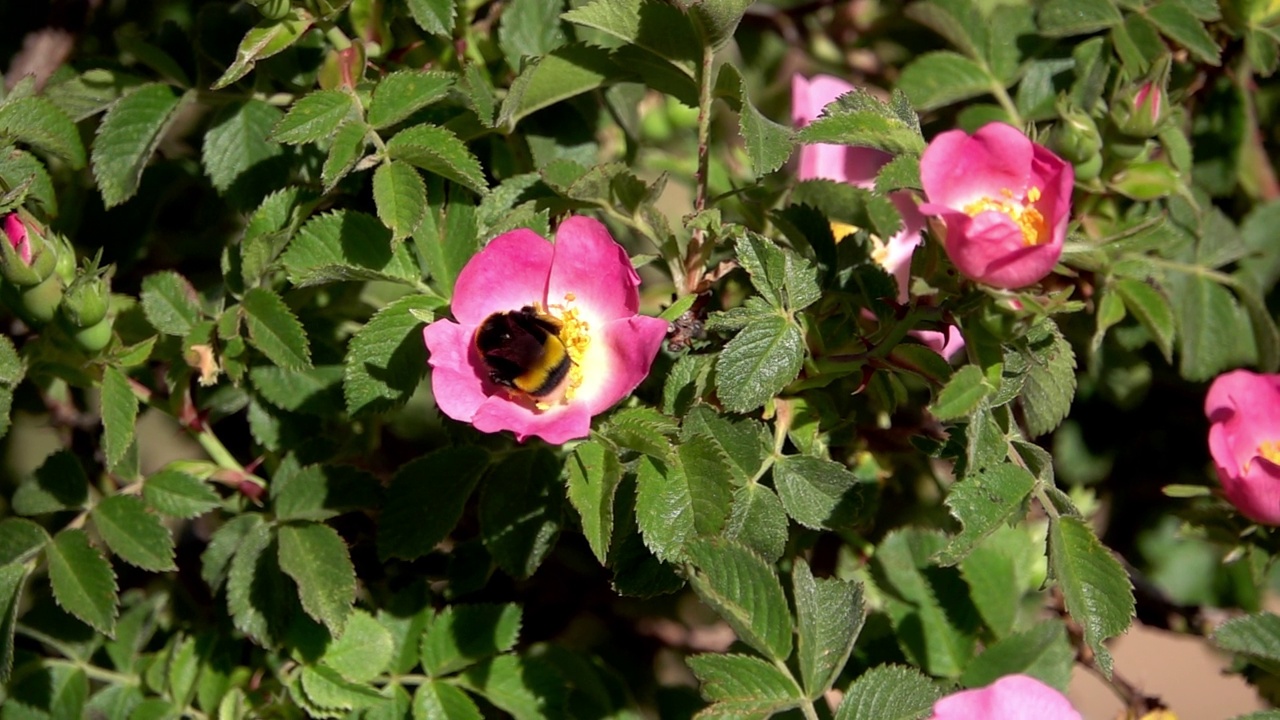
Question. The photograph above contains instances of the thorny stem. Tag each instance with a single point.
(203, 434)
(693, 260)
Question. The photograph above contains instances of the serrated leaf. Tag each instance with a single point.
(1050, 382)
(1256, 635)
(742, 685)
(348, 146)
(819, 493)
(1151, 309)
(961, 395)
(889, 692)
(119, 415)
(170, 303)
(768, 144)
(530, 29)
(758, 520)
(938, 79)
(129, 134)
(434, 16)
(673, 505)
(47, 690)
(401, 198)
(133, 533)
(316, 557)
(402, 93)
(559, 75)
(1043, 652)
(641, 429)
(177, 494)
(83, 583)
(759, 362)
(1094, 586)
(266, 39)
(462, 635)
(12, 368)
(594, 475)
(1210, 327)
(362, 652)
(347, 245)
(1064, 18)
(386, 359)
(435, 700)
(443, 480)
(829, 616)
(236, 149)
(527, 687)
(315, 116)
(745, 442)
(20, 540)
(990, 572)
(37, 122)
(983, 501)
(275, 330)
(12, 579)
(438, 151)
(217, 557)
(58, 484)
(477, 91)
(862, 120)
(744, 590)
(660, 28)
(328, 690)
(319, 492)
(1178, 24)
(313, 391)
(520, 511)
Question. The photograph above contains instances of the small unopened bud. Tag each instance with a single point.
(1075, 137)
(1140, 111)
(26, 256)
(85, 302)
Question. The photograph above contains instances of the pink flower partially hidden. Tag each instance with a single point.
(1244, 439)
(16, 232)
(584, 291)
(858, 167)
(1013, 697)
(1005, 200)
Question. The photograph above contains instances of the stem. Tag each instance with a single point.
(806, 706)
(337, 38)
(96, 673)
(693, 260)
(1046, 502)
(1006, 102)
(217, 451)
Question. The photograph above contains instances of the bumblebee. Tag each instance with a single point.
(523, 351)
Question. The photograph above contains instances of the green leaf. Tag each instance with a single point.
(674, 505)
(270, 228)
(313, 391)
(1064, 18)
(594, 474)
(315, 116)
(402, 93)
(133, 533)
(1178, 24)
(362, 652)
(461, 635)
(559, 75)
(266, 39)
(983, 501)
(641, 429)
(744, 590)
(938, 79)
(477, 91)
(990, 571)
(1151, 308)
(319, 492)
(20, 540)
(744, 441)
(759, 362)
(83, 583)
(1043, 652)
(768, 144)
(316, 557)
(442, 480)
(530, 28)
(889, 692)
(386, 359)
(436, 700)
(1210, 325)
(326, 689)
(860, 120)
(716, 20)
(12, 368)
(935, 621)
(37, 122)
(528, 688)
(829, 616)
(170, 303)
(820, 493)
(12, 579)
(1096, 588)
(661, 28)
(236, 147)
(48, 690)
(1050, 382)
(758, 520)
(345, 151)
(438, 151)
(128, 136)
(401, 198)
(119, 415)
(260, 597)
(274, 330)
(520, 511)
(434, 16)
(347, 245)
(960, 22)
(178, 495)
(744, 686)
(59, 484)
(1256, 635)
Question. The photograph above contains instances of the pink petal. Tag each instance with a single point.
(16, 231)
(618, 360)
(509, 273)
(1257, 494)
(855, 165)
(458, 376)
(957, 169)
(946, 344)
(809, 97)
(556, 425)
(593, 269)
(1013, 697)
(989, 248)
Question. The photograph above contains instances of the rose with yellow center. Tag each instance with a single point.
(577, 300)
(1004, 202)
(1243, 408)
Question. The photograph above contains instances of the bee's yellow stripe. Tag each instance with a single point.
(550, 370)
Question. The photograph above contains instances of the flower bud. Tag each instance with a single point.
(1075, 137)
(94, 338)
(39, 303)
(85, 302)
(1140, 110)
(26, 258)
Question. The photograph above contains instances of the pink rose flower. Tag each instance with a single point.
(1243, 408)
(1013, 697)
(858, 167)
(16, 232)
(1005, 201)
(582, 293)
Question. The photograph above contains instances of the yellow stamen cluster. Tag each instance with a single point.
(1022, 212)
(879, 248)
(575, 335)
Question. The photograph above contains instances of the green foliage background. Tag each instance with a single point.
(281, 194)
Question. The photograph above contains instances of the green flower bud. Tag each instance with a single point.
(272, 9)
(94, 338)
(26, 255)
(1089, 169)
(39, 302)
(86, 300)
(1075, 137)
(1139, 111)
